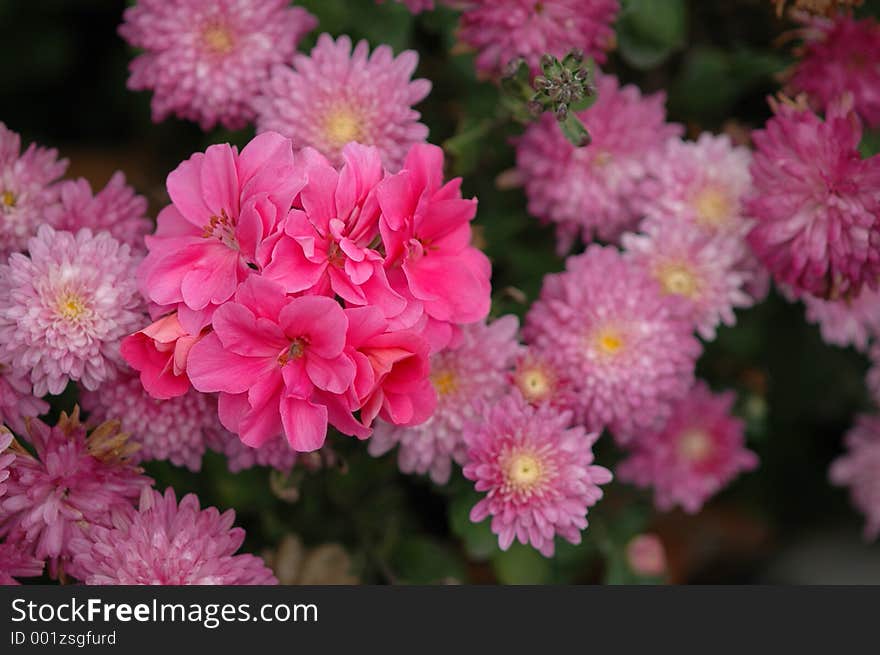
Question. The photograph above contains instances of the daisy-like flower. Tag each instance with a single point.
(540, 381)
(337, 95)
(275, 453)
(115, 208)
(698, 452)
(538, 476)
(17, 562)
(816, 201)
(700, 270)
(859, 469)
(16, 400)
(473, 371)
(163, 543)
(846, 321)
(27, 189)
(6, 457)
(65, 307)
(502, 30)
(205, 61)
(622, 342)
(174, 429)
(591, 191)
(77, 478)
(840, 55)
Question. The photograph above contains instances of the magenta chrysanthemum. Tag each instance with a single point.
(17, 562)
(817, 203)
(840, 56)
(699, 451)
(27, 189)
(538, 476)
(6, 458)
(205, 61)
(502, 30)
(16, 400)
(859, 469)
(75, 479)
(591, 191)
(174, 429)
(629, 354)
(164, 543)
(337, 95)
(275, 453)
(701, 270)
(473, 371)
(65, 307)
(846, 321)
(115, 208)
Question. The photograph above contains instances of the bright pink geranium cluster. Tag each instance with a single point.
(306, 294)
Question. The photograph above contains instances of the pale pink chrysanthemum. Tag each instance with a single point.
(540, 381)
(696, 454)
(116, 208)
(646, 555)
(76, 478)
(27, 189)
(66, 306)
(275, 453)
(699, 269)
(6, 457)
(17, 562)
(163, 543)
(845, 321)
(840, 55)
(592, 191)
(538, 476)
(859, 469)
(502, 30)
(336, 95)
(622, 343)
(475, 370)
(816, 201)
(17, 402)
(205, 61)
(174, 429)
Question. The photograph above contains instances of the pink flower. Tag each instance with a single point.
(646, 556)
(275, 453)
(17, 562)
(593, 191)
(326, 244)
(336, 95)
(540, 381)
(75, 479)
(205, 61)
(17, 402)
(816, 202)
(502, 30)
(173, 430)
(224, 204)
(163, 543)
(65, 307)
(6, 457)
(159, 352)
(538, 476)
(115, 208)
(703, 271)
(698, 452)
(425, 227)
(472, 371)
(27, 189)
(272, 357)
(620, 341)
(846, 321)
(840, 56)
(859, 469)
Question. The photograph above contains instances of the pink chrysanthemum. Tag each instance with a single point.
(164, 543)
(17, 562)
(173, 429)
(621, 341)
(337, 95)
(859, 469)
(502, 30)
(540, 381)
(816, 201)
(699, 451)
(27, 189)
(275, 453)
(591, 191)
(646, 555)
(16, 400)
(6, 458)
(473, 371)
(75, 479)
(115, 208)
(840, 55)
(701, 270)
(205, 61)
(538, 476)
(65, 307)
(845, 321)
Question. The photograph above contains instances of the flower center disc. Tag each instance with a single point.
(694, 445)
(342, 126)
(524, 471)
(678, 280)
(712, 207)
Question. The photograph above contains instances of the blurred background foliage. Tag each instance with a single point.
(62, 83)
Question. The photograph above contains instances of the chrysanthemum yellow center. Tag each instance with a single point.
(533, 383)
(444, 382)
(694, 445)
(678, 280)
(712, 206)
(524, 471)
(217, 39)
(341, 126)
(602, 158)
(609, 341)
(71, 307)
(7, 199)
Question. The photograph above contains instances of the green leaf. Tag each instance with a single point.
(421, 560)
(522, 565)
(479, 541)
(648, 32)
(870, 144)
